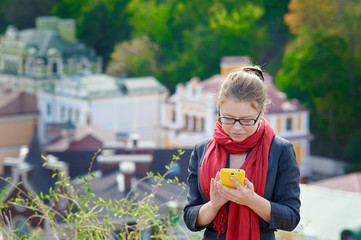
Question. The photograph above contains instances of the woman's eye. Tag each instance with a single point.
(247, 120)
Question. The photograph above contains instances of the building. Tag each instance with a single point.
(67, 78)
(78, 146)
(327, 212)
(190, 113)
(18, 116)
(120, 180)
(30, 179)
(126, 106)
(35, 57)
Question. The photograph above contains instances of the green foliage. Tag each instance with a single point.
(101, 23)
(315, 74)
(352, 151)
(68, 8)
(22, 13)
(150, 18)
(190, 36)
(193, 35)
(133, 58)
(321, 69)
(237, 25)
(88, 216)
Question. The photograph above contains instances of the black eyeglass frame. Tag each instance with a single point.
(238, 120)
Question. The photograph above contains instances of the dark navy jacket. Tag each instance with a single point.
(281, 189)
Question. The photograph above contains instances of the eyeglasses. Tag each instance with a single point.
(242, 121)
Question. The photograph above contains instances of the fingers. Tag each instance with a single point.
(248, 183)
(236, 183)
(213, 182)
(218, 176)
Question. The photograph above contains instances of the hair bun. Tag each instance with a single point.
(256, 71)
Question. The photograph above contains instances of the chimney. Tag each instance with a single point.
(134, 138)
(127, 168)
(47, 23)
(228, 64)
(88, 119)
(67, 29)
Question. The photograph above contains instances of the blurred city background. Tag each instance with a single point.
(138, 80)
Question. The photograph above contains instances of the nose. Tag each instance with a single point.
(237, 125)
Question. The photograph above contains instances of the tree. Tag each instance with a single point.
(278, 33)
(101, 23)
(137, 57)
(194, 35)
(315, 74)
(150, 18)
(22, 13)
(333, 16)
(340, 19)
(68, 8)
(236, 26)
(352, 151)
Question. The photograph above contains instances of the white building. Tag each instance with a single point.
(190, 113)
(33, 57)
(124, 105)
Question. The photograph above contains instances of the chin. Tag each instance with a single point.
(238, 139)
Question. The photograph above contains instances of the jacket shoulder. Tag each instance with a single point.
(203, 143)
(280, 142)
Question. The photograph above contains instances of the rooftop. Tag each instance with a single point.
(349, 182)
(73, 139)
(279, 101)
(16, 102)
(95, 86)
(326, 212)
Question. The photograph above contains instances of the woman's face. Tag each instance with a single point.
(239, 110)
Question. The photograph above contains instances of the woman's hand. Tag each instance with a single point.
(209, 210)
(217, 199)
(241, 195)
(248, 197)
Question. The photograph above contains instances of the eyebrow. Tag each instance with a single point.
(229, 115)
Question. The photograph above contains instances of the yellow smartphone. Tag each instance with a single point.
(238, 174)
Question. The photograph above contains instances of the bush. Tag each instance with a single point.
(87, 216)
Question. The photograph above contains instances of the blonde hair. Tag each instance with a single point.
(244, 84)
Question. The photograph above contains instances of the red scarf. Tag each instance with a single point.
(243, 223)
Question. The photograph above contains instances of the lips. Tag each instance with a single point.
(237, 135)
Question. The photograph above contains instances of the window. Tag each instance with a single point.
(279, 124)
(62, 112)
(289, 124)
(202, 124)
(48, 109)
(186, 121)
(54, 68)
(70, 112)
(299, 122)
(145, 235)
(76, 117)
(298, 153)
(173, 116)
(21, 227)
(194, 123)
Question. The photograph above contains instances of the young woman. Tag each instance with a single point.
(243, 139)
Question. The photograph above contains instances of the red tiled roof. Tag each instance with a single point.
(349, 182)
(81, 132)
(17, 102)
(212, 84)
(279, 101)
